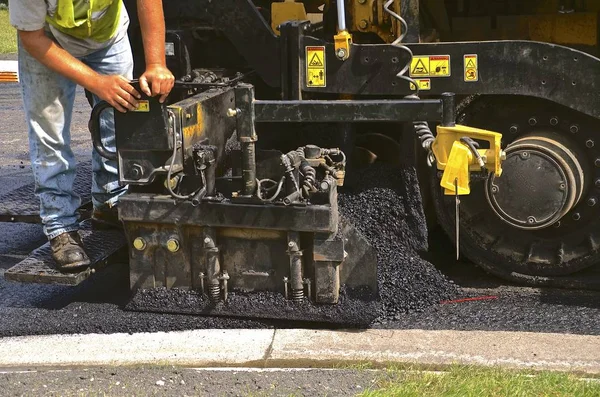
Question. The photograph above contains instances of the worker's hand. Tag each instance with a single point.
(117, 91)
(157, 80)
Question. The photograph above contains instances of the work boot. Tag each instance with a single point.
(68, 253)
(107, 219)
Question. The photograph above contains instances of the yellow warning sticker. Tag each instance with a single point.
(143, 106)
(424, 84)
(430, 66)
(471, 68)
(315, 67)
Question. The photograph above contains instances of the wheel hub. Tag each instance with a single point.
(542, 181)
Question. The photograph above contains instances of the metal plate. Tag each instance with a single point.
(21, 205)
(102, 246)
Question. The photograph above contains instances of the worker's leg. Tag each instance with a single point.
(114, 60)
(48, 101)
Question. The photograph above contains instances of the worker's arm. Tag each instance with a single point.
(115, 90)
(157, 79)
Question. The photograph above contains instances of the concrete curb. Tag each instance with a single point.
(9, 71)
(307, 348)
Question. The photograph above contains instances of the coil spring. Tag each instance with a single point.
(421, 127)
(298, 295)
(310, 177)
(214, 291)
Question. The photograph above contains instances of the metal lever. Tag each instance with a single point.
(457, 220)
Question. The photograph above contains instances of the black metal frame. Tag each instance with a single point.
(560, 74)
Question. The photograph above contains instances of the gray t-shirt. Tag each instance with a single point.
(30, 15)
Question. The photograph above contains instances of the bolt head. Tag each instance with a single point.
(576, 216)
(207, 240)
(341, 53)
(597, 162)
(531, 220)
(139, 244)
(597, 182)
(554, 121)
(173, 245)
(363, 24)
(589, 143)
(574, 129)
(233, 112)
(514, 129)
(532, 121)
(592, 201)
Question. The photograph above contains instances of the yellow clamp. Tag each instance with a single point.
(343, 41)
(457, 160)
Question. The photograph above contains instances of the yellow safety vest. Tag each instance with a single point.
(100, 24)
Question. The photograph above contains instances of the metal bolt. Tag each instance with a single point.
(524, 155)
(341, 53)
(554, 121)
(363, 24)
(557, 224)
(290, 244)
(574, 129)
(207, 240)
(531, 220)
(514, 129)
(589, 143)
(137, 171)
(597, 162)
(173, 245)
(592, 201)
(139, 244)
(597, 182)
(532, 121)
(494, 189)
(188, 116)
(562, 186)
(233, 112)
(576, 216)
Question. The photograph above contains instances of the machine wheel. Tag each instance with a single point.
(540, 218)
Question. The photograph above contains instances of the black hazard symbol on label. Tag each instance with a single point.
(470, 63)
(420, 69)
(315, 61)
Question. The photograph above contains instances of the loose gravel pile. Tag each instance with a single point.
(385, 206)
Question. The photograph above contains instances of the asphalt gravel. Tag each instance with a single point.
(98, 304)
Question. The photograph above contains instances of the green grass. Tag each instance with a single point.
(8, 35)
(478, 382)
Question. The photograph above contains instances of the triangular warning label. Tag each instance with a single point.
(316, 61)
(420, 69)
(470, 64)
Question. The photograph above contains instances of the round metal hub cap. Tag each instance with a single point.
(541, 182)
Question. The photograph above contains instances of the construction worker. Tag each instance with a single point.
(62, 44)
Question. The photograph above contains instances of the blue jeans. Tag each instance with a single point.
(48, 99)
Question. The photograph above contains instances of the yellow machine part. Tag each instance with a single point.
(457, 160)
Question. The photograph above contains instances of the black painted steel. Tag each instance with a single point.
(21, 205)
(318, 111)
(103, 247)
(139, 207)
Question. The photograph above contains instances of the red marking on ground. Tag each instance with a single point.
(477, 298)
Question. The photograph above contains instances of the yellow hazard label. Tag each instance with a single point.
(430, 66)
(471, 68)
(143, 106)
(315, 67)
(424, 84)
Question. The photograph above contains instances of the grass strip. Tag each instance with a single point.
(8, 35)
(475, 381)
